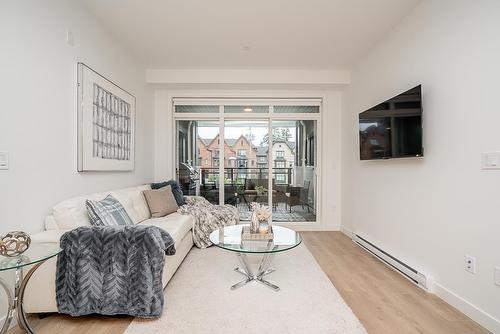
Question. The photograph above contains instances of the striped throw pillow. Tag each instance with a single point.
(107, 212)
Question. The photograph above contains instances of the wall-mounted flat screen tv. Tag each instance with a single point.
(392, 129)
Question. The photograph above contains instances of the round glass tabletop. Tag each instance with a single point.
(284, 239)
(37, 252)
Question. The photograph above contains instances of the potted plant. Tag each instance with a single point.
(260, 190)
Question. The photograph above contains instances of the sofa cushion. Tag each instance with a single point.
(175, 224)
(176, 190)
(72, 213)
(50, 223)
(107, 212)
(47, 236)
(161, 202)
(134, 202)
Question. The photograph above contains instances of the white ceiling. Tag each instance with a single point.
(313, 34)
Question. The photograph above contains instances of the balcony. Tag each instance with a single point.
(290, 202)
(238, 175)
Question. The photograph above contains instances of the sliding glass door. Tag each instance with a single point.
(197, 158)
(238, 154)
(246, 169)
(294, 171)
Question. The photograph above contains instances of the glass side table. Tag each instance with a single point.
(36, 255)
(229, 238)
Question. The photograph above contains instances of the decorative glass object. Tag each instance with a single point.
(14, 243)
(264, 226)
(254, 220)
(260, 217)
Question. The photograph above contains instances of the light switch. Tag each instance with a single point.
(4, 160)
(490, 160)
(497, 276)
(70, 40)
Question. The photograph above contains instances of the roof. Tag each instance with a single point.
(206, 141)
(231, 142)
(290, 144)
(262, 150)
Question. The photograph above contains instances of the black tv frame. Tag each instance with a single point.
(387, 109)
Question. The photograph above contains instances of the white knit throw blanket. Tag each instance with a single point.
(208, 217)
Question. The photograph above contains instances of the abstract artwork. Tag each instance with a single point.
(111, 126)
(106, 119)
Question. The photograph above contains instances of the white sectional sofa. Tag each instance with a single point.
(40, 295)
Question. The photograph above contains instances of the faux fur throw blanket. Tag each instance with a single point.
(112, 270)
(207, 218)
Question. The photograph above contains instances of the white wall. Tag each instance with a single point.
(330, 131)
(38, 107)
(248, 76)
(432, 211)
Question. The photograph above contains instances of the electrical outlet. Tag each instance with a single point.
(497, 276)
(470, 264)
(490, 160)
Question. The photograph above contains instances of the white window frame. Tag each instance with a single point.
(281, 162)
(271, 116)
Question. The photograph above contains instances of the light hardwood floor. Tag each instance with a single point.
(384, 301)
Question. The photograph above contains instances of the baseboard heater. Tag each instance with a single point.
(412, 274)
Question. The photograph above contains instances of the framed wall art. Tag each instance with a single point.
(106, 124)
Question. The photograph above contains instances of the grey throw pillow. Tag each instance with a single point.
(107, 212)
(161, 202)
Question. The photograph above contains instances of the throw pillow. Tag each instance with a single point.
(107, 212)
(176, 190)
(161, 201)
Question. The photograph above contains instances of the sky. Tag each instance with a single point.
(234, 132)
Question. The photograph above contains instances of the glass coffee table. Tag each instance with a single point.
(35, 255)
(229, 238)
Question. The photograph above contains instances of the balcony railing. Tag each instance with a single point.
(235, 175)
(241, 187)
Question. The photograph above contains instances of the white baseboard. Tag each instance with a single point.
(475, 313)
(303, 227)
(346, 232)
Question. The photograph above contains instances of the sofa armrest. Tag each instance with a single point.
(47, 236)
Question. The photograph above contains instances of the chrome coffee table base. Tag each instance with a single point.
(229, 238)
(16, 303)
(262, 271)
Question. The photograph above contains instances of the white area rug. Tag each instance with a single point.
(198, 299)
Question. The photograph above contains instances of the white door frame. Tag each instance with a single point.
(273, 99)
